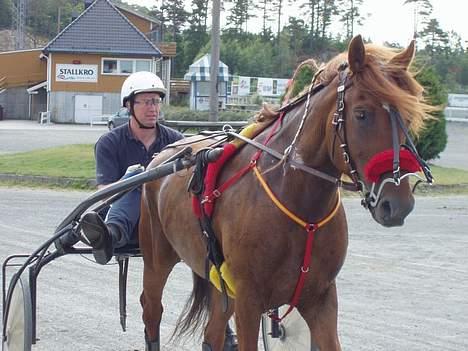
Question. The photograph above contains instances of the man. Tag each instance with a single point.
(116, 153)
(131, 144)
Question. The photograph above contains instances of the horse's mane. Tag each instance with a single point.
(388, 82)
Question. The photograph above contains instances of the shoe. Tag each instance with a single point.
(230, 340)
(97, 235)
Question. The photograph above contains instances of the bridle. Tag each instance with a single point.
(370, 197)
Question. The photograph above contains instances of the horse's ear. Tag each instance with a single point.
(356, 54)
(404, 58)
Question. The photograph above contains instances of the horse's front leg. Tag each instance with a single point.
(248, 315)
(214, 336)
(322, 318)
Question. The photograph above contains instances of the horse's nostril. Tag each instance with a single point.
(386, 209)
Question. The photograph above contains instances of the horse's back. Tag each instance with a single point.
(169, 206)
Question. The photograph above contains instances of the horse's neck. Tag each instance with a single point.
(304, 192)
(312, 147)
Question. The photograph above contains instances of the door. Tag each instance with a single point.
(87, 107)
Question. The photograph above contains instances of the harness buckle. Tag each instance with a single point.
(305, 270)
(346, 157)
(205, 200)
(216, 193)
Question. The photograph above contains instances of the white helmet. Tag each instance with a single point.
(141, 82)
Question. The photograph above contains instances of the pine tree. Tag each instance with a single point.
(5, 14)
(174, 16)
(350, 15)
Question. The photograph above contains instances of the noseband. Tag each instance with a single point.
(405, 156)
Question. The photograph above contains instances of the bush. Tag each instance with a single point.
(433, 139)
(175, 113)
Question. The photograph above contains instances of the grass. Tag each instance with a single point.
(76, 163)
(71, 161)
(449, 176)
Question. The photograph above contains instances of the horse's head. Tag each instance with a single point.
(378, 102)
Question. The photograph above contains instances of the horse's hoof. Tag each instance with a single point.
(230, 340)
(206, 347)
(151, 345)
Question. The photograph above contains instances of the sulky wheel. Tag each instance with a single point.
(18, 336)
(293, 333)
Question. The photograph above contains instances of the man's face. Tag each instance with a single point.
(146, 108)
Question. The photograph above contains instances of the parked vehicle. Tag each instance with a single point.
(118, 118)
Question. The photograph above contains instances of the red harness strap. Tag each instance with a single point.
(210, 193)
(311, 229)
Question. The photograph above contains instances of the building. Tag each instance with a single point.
(77, 76)
(199, 77)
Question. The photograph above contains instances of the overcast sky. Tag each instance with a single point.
(389, 20)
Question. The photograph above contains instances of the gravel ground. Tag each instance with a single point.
(400, 289)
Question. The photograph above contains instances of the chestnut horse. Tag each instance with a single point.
(344, 124)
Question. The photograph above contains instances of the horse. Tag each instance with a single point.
(343, 122)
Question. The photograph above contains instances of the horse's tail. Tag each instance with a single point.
(195, 312)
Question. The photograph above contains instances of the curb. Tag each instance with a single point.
(425, 189)
(43, 180)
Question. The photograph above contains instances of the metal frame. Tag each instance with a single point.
(67, 235)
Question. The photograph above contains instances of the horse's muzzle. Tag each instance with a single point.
(394, 205)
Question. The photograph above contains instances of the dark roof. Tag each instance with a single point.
(102, 29)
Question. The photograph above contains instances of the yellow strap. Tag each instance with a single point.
(289, 213)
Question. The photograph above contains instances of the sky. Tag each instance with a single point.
(389, 20)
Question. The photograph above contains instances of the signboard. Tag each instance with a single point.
(458, 100)
(244, 86)
(248, 86)
(76, 73)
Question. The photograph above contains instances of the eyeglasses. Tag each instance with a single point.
(149, 102)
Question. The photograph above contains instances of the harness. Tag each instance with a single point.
(409, 161)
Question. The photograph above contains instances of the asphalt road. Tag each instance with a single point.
(400, 289)
(20, 136)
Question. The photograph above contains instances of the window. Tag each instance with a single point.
(141, 65)
(114, 66)
(109, 66)
(126, 67)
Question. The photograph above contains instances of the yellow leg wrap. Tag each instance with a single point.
(226, 275)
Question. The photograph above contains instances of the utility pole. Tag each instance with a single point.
(19, 18)
(59, 19)
(214, 66)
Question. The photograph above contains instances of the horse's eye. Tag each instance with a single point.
(360, 115)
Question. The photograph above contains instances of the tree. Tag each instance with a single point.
(267, 15)
(320, 14)
(295, 33)
(278, 8)
(350, 15)
(174, 16)
(436, 40)
(199, 16)
(5, 14)
(239, 14)
(433, 139)
(422, 12)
